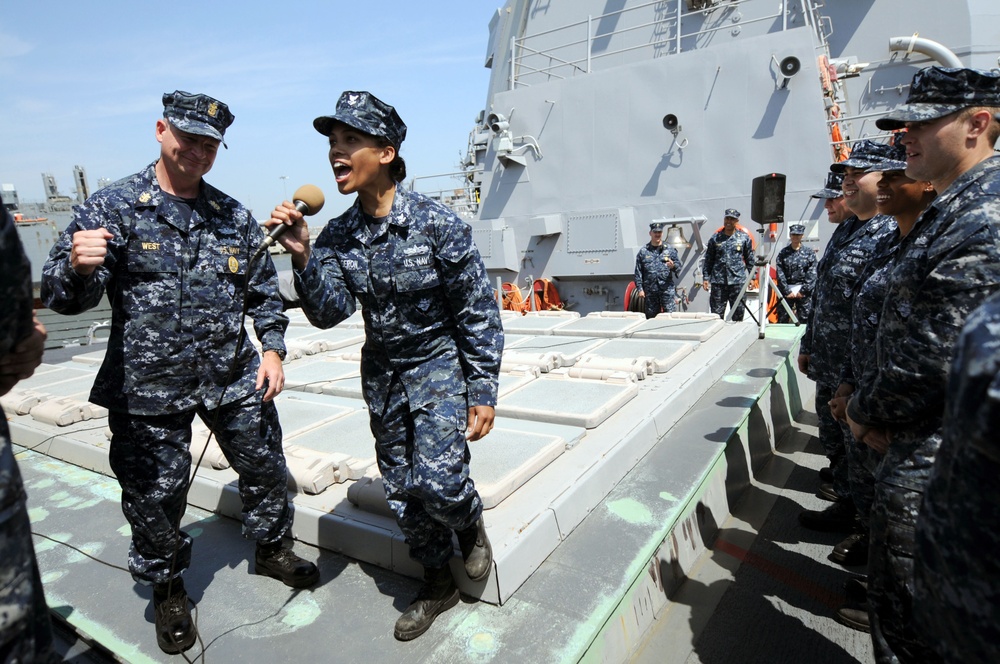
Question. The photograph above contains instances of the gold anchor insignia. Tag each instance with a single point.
(215, 205)
(213, 108)
(234, 265)
(144, 197)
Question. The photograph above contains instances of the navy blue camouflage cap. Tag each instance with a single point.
(888, 165)
(656, 226)
(833, 188)
(797, 229)
(895, 160)
(864, 154)
(939, 91)
(731, 212)
(197, 114)
(366, 113)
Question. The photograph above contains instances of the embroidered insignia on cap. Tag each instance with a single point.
(144, 197)
(213, 108)
(234, 265)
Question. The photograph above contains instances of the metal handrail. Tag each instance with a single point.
(447, 196)
(519, 47)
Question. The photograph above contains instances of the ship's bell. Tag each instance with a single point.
(675, 238)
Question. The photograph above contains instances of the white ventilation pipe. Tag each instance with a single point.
(928, 47)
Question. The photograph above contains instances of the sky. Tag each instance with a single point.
(81, 84)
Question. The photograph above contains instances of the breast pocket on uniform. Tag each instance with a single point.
(414, 270)
(416, 277)
(231, 262)
(151, 257)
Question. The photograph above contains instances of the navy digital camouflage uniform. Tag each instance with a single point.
(728, 261)
(946, 267)
(866, 309)
(25, 630)
(433, 342)
(796, 267)
(176, 292)
(828, 331)
(656, 279)
(956, 569)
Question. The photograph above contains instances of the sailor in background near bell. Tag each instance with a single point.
(796, 269)
(657, 267)
(728, 262)
(957, 573)
(946, 267)
(433, 340)
(25, 629)
(829, 331)
(171, 252)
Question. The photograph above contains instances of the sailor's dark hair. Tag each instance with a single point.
(397, 167)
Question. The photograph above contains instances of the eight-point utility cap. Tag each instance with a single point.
(896, 160)
(366, 113)
(834, 183)
(656, 226)
(939, 91)
(197, 114)
(732, 212)
(864, 155)
(797, 229)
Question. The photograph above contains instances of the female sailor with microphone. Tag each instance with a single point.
(431, 358)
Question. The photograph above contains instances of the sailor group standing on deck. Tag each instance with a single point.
(919, 392)
(909, 415)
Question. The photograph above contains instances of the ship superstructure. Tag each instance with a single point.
(604, 116)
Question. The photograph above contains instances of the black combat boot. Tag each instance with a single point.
(278, 562)
(851, 551)
(854, 616)
(826, 492)
(175, 631)
(476, 550)
(437, 595)
(840, 517)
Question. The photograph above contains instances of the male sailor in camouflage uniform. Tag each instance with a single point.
(956, 601)
(728, 262)
(657, 266)
(796, 270)
(945, 267)
(171, 251)
(836, 213)
(25, 631)
(829, 330)
(433, 340)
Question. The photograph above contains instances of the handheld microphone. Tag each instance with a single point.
(308, 200)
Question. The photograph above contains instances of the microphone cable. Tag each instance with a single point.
(233, 363)
(309, 200)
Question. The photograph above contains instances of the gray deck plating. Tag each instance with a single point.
(543, 483)
(564, 436)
